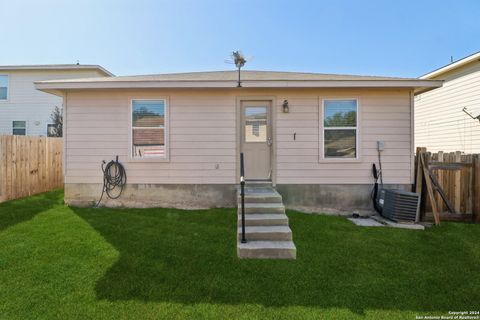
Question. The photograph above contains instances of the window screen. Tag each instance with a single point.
(340, 128)
(148, 129)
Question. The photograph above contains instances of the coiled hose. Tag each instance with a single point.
(114, 178)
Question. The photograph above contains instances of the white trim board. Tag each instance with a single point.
(65, 85)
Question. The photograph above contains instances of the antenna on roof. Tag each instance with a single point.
(239, 60)
(451, 59)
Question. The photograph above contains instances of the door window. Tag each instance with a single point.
(255, 124)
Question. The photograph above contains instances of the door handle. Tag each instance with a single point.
(269, 142)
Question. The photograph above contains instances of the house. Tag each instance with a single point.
(445, 117)
(312, 136)
(26, 111)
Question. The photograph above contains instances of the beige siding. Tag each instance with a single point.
(440, 123)
(203, 136)
(25, 103)
(384, 115)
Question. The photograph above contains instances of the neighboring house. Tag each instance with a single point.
(440, 122)
(26, 111)
(313, 136)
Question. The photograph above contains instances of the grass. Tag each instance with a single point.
(58, 262)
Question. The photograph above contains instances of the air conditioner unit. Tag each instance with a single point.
(401, 206)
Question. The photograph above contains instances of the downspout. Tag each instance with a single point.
(412, 138)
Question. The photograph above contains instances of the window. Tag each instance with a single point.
(340, 128)
(148, 129)
(51, 132)
(19, 128)
(3, 87)
(255, 124)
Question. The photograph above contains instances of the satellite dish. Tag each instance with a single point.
(471, 116)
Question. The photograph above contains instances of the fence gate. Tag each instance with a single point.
(458, 177)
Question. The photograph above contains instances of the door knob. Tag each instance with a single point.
(269, 141)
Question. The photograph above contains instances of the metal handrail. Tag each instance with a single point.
(242, 195)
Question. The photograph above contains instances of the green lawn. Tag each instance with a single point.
(58, 262)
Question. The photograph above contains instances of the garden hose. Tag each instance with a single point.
(114, 178)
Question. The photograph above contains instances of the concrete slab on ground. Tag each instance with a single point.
(366, 222)
(379, 221)
(402, 225)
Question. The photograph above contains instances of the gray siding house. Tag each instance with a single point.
(441, 123)
(26, 111)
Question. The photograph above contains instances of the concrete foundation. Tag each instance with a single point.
(182, 196)
(332, 199)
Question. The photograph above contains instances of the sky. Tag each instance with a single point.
(391, 38)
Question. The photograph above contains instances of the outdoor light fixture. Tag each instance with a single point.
(286, 109)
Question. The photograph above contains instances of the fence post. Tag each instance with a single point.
(419, 181)
(439, 200)
(425, 160)
(476, 188)
(3, 170)
(457, 185)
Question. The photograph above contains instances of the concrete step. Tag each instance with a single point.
(260, 195)
(269, 207)
(266, 225)
(258, 183)
(264, 219)
(266, 233)
(261, 198)
(267, 250)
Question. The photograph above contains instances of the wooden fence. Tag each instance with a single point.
(454, 181)
(29, 165)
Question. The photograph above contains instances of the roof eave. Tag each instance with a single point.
(79, 67)
(68, 85)
(105, 71)
(452, 66)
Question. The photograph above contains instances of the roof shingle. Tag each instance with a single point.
(246, 75)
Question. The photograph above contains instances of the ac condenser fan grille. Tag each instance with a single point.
(401, 206)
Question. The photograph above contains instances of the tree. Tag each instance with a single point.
(341, 119)
(57, 119)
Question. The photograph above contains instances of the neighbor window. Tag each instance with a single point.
(3, 87)
(148, 129)
(340, 128)
(51, 132)
(19, 128)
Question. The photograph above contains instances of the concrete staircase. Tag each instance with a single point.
(266, 225)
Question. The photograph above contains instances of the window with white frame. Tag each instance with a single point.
(340, 125)
(148, 129)
(3, 87)
(19, 128)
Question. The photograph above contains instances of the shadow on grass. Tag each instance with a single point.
(20, 210)
(190, 257)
